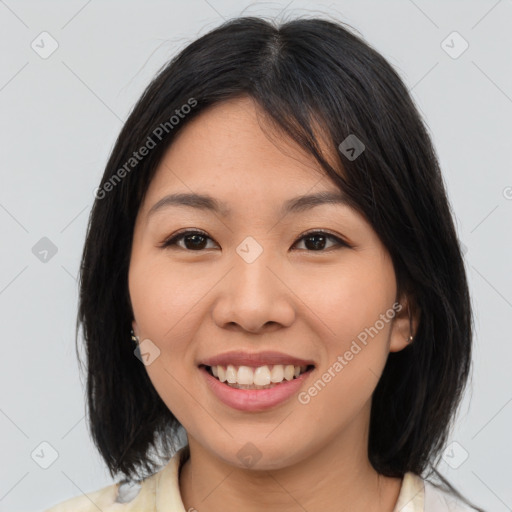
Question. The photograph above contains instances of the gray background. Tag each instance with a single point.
(59, 118)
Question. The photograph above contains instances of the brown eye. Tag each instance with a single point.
(193, 240)
(316, 240)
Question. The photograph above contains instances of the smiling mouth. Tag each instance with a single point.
(261, 377)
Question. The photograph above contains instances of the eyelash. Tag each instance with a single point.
(172, 241)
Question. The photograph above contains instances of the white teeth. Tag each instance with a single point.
(277, 374)
(245, 375)
(288, 372)
(251, 378)
(262, 376)
(231, 374)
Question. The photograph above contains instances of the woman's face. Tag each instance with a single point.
(254, 292)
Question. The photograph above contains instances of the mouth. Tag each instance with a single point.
(260, 377)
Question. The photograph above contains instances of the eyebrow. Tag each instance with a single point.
(205, 202)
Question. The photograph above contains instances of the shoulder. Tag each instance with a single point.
(440, 500)
(88, 502)
(116, 497)
(133, 497)
(420, 495)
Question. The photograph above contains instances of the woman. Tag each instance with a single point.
(273, 233)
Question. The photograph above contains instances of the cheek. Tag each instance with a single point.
(347, 317)
(163, 304)
(163, 300)
(164, 313)
(346, 300)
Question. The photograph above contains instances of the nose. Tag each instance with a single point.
(254, 297)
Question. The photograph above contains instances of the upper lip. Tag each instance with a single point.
(255, 359)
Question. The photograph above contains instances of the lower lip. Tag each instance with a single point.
(254, 400)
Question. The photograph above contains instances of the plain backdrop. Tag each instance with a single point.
(71, 71)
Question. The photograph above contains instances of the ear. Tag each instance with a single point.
(405, 323)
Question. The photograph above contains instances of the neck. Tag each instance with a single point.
(337, 478)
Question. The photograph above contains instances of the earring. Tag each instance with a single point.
(410, 327)
(135, 339)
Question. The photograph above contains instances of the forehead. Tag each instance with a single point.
(232, 151)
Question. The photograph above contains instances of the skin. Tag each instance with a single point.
(307, 302)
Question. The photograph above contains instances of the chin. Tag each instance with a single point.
(260, 453)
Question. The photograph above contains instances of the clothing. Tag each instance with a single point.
(160, 493)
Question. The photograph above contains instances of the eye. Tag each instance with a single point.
(319, 239)
(195, 240)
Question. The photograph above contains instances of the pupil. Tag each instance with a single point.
(321, 245)
(196, 237)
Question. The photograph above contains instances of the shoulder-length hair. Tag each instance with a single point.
(304, 73)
